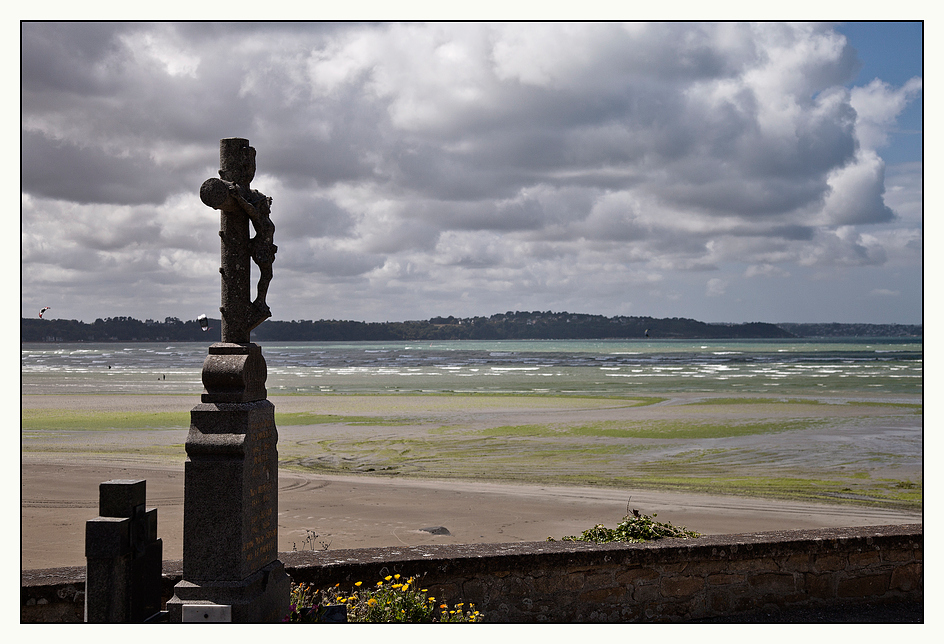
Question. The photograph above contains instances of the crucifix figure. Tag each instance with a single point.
(239, 205)
(231, 476)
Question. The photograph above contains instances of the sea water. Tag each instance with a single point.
(846, 367)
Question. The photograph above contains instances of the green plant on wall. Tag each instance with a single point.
(634, 528)
(393, 599)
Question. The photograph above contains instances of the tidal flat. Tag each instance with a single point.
(803, 448)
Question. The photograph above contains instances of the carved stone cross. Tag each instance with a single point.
(235, 371)
(231, 476)
(239, 205)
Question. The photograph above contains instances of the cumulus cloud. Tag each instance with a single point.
(877, 105)
(411, 163)
(716, 287)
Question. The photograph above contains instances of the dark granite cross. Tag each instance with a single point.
(239, 205)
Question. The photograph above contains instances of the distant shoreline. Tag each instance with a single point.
(517, 325)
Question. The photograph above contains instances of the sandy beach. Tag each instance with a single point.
(59, 495)
(61, 471)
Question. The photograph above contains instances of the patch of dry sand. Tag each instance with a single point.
(60, 495)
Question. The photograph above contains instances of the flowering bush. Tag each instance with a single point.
(634, 529)
(393, 599)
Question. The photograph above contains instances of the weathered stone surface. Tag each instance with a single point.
(607, 594)
(231, 491)
(670, 568)
(719, 602)
(830, 562)
(681, 586)
(800, 562)
(234, 373)
(239, 205)
(120, 497)
(600, 577)
(123, 556)
(260, 598)
(464, 572)
(907, 577)
(231, 472)
(862, 559)
(821, 585)
(773, 583)
(648, 593)
(864, 586)
(753, 565)
(720, 579)
(896, 556)
(566, 582)
(637, 576)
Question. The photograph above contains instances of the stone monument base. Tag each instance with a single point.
(260, 598)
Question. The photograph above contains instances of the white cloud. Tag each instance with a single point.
(877, 105)
(856, 193)
(716, 287)
(765, 270)
(573, 163)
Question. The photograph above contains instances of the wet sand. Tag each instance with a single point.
(59, 489)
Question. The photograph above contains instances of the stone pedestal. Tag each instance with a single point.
(234, 373)
(231, 494)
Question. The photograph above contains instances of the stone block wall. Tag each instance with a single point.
(672, 580)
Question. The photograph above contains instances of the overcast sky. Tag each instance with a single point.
(724, 172)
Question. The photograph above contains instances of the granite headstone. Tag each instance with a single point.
(123, 556)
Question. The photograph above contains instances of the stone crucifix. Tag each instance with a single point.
(231, 569)
(239, 205)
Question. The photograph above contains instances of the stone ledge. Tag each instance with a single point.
(668, 549)
(717, 547)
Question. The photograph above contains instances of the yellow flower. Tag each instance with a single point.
(388, 578)
(396, 576)
(371, 601)
(431, 599)
(358, 583)
(425, 590)
(396, 586)
(380, 583)
(443, 606)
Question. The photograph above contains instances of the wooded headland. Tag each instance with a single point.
(513, 325)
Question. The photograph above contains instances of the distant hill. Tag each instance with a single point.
(839, 330)
(513, 325)
(117, 329)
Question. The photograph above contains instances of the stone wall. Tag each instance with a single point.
(670, 580)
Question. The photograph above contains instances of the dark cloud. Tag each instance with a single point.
(87, 174)
(480, 161)
(303, 258)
